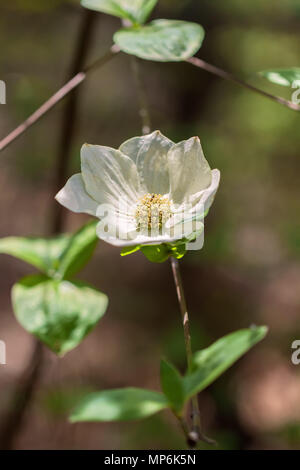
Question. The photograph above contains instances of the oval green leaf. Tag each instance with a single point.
(57, 257)
(161, 40)
(136, 11)
(211, 362)
(59, 313)
(284, 77)
(124, 404)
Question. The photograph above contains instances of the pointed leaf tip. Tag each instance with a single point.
(210, 363)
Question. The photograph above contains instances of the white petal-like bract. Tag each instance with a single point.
(109, 175)
(74, 197)
(189, 170)
(152, 163)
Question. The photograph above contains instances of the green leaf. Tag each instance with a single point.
(59, 313)
(156, 253)
(42, 253)
(123, 404)
(211, 362)
(161, 40)
(172, 385)
(128, 250)
(79, 250)
(58, 257)
(136, 11)
(285, 77)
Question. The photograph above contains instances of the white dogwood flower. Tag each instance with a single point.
(149, 191)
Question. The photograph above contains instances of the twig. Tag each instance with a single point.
(25, 390)
(191, 443)
(196, 434)
(57, 97)
(187, 334)
(228, 76)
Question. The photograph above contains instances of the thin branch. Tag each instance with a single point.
(187, 336)
(228, 76)
(143, 105)
(183, 310)
(57, 97)
(190, 442)
(196, 434)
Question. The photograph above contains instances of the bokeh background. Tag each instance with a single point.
(247, 273)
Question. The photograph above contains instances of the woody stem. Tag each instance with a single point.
(196, 422)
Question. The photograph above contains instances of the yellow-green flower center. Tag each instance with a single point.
(152, 212)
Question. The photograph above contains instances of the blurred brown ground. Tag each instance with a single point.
(249, 269)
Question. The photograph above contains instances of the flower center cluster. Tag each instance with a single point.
(152, 211)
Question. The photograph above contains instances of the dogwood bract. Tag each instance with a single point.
(149, 191)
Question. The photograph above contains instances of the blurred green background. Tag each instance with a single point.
(247, 273)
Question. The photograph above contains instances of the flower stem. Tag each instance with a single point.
(187, 335)
(183, 309)
(196, 433)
